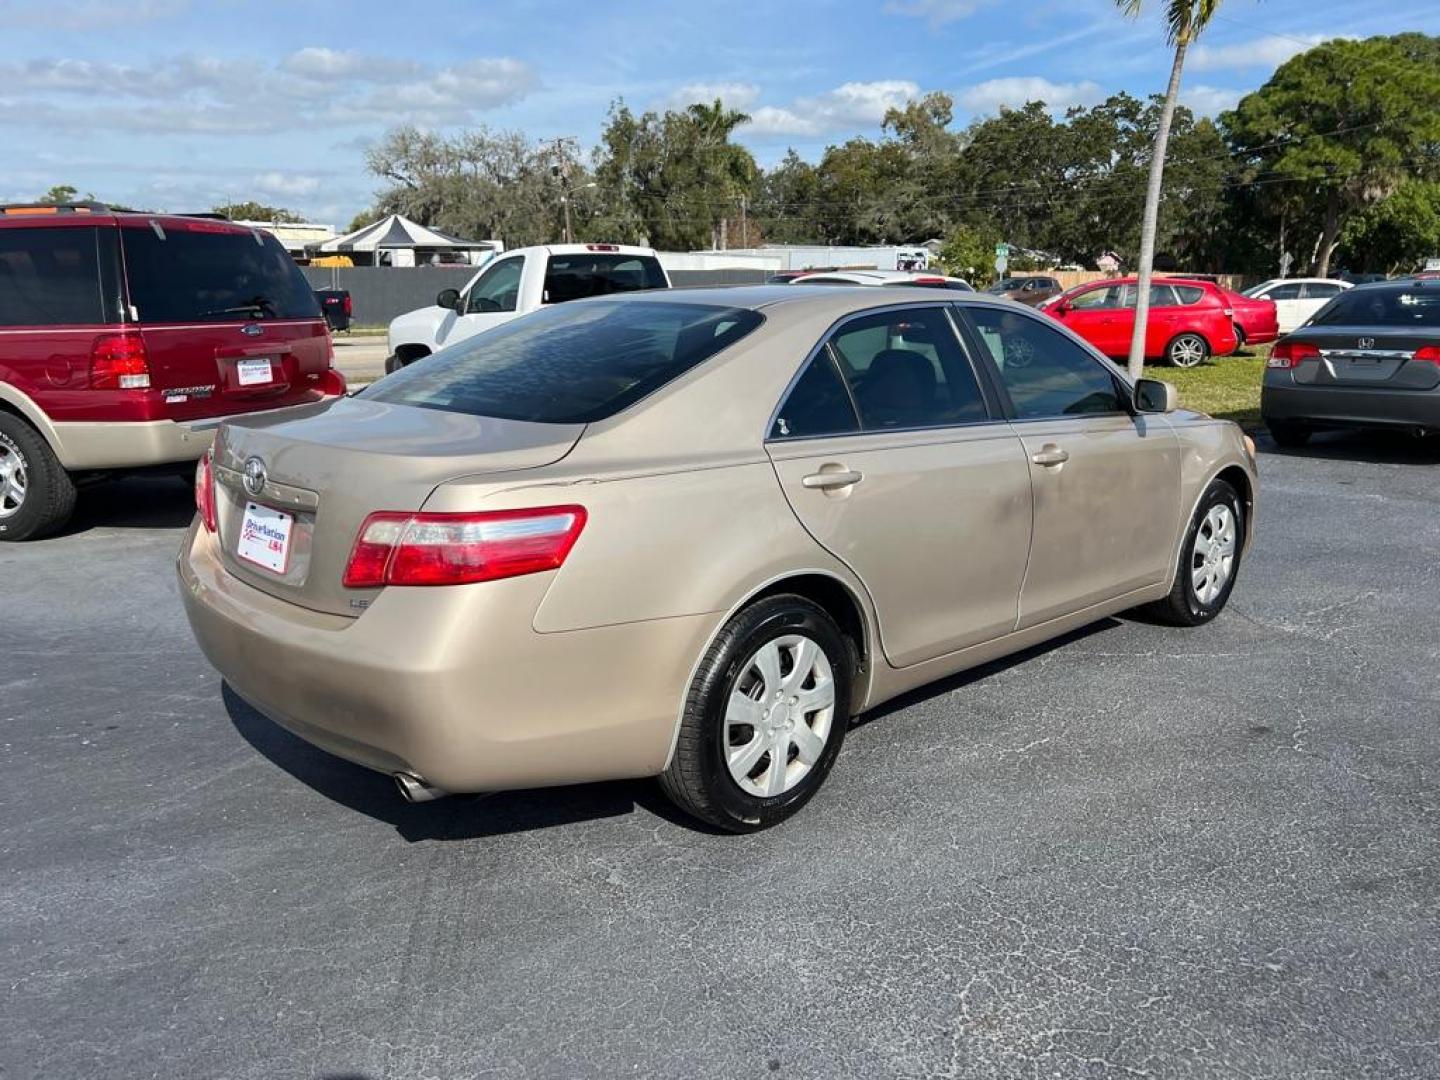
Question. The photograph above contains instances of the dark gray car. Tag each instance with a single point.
(1369, 358)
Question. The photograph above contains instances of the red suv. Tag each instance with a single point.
(1189, 320)
(125, 338)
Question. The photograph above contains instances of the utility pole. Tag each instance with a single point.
(561, 149)
(744, 223)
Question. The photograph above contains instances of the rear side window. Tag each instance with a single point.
(818, 404)
(577, 276)
(569, 365)
(51, 277)
(1382, 307)
(1319, 290)
(1189, 294)
(1290, 291)
(205, 274)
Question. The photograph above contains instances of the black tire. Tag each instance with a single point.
(1289, 434)
(1187, 351)
(1184, 606)
(49, 498)
(1239, 337)
(698, 779)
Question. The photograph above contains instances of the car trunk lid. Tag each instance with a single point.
(1380, 357)
(327, 467)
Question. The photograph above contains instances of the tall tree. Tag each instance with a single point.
(1342, 127)
(254, 211)
(1184, 22)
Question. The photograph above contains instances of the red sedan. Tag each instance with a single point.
(1256, 321)
(1189, 320)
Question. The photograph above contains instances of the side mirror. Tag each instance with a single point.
(448, 298)
(1060, 307)
(1155, 396)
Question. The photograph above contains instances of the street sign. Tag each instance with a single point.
(1002, 250)
(1001, 264)
(1285, 260)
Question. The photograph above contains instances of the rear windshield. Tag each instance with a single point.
(568, 365)
(200, 274)
(577, 276)
(52, 277)
(1382, 307)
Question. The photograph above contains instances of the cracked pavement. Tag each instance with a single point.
(1140, 851)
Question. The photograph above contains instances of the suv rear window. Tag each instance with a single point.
(568, 365)
(51, 277)
(200, 274)
(1382, 307)
(576, 276)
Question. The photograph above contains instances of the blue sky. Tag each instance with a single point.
(179, 104)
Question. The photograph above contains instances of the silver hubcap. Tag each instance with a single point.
(779, 716)
(1187, 352)
(12, 480)
(1213, 559)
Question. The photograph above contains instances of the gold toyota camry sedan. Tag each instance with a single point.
(692, 534)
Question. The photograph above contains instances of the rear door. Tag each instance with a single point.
(229, 323)
(1314, 295)
(1106, 482)
(892, 459)
(1290, 309)
(1163, 321)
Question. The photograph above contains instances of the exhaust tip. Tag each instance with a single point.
(414, 790)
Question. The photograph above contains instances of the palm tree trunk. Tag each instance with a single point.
(1152, 212)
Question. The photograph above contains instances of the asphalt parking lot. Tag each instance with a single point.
(1140, 851)
(360, 357)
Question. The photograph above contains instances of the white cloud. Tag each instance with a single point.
(1017, 91)
(313, 87)
(1209, 100)
(1263, 52)
(935, 12)
(852, 105)
(286, 184)
(735, 95)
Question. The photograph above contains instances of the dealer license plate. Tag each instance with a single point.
(265, 537)
(254, 372)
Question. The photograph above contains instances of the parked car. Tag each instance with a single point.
(336, 305)
(692, 533)
(1189, 321)
(785, 277)
(517, 282)
(920, 279)
(1296, 299)
(1256, 320)
(126, 337)
(1368, 358)
(1032, 290)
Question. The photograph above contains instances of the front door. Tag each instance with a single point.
(1290, 308)
(892, 460)
(492, 299)
(1099, 316)
(1106, 481)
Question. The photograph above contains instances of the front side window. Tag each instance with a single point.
(497, 290)
(1047, 375)
(1095, 299)
(1289, 291)
(50, 277)
(577, 276)
(201, 272)
(573, 364)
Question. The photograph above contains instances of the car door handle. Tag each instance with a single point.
(1050, 454)
(827, 481)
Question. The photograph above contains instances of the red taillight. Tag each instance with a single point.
(332, 383)
(1289, 354)
(349, 306)
(1429, 354)
(205, 492)
(118, 362)
(453, 549)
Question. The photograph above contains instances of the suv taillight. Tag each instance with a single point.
(1289, 354)
(453, 549)
(205, 491)
(349, 305)
(119, 362)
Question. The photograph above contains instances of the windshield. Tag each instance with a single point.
(203, 273)
(1004, 285)
(568, 365)
(1382, 307)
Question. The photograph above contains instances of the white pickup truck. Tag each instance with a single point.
(518, 282)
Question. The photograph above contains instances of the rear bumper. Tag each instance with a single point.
(1347, 406)
(450, 684)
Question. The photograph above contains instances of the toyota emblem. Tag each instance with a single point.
(254, 478)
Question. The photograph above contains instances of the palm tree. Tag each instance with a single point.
(1184, 21)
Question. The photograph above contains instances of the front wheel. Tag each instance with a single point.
(765, 716)
(1209, 559)
(1187, 350)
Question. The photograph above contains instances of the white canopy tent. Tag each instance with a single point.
(398, 241)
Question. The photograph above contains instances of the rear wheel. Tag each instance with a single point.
(1239, 337)
(1209, 559)
(765, 716)
(1288, 434)
(37, 495)
(1187, 350)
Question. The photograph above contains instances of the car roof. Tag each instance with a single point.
(833, 300)
(879, 277)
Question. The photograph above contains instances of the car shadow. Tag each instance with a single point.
(457, 817)
(135, 502)
(1378, 446)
